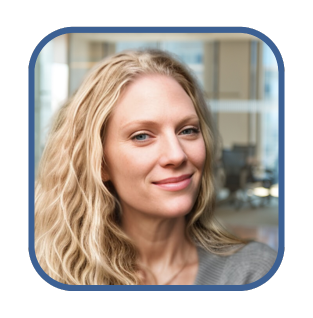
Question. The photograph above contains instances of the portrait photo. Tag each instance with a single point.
(156, 159)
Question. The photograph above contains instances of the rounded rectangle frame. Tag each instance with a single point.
(31, 138)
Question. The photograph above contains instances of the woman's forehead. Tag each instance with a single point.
(152, 96)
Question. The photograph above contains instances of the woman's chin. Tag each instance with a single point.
(175, 209)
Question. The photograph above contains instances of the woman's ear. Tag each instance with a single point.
(104, 176)
(104, 173)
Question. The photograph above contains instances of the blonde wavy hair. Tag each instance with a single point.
(78, 238)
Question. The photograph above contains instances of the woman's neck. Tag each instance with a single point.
(162, 243)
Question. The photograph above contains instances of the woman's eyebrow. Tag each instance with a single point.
(144, 122)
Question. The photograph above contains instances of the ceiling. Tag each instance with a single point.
(156, 37)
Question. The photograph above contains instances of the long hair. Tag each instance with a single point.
(78, 237)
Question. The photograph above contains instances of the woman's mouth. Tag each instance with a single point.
(174, 184)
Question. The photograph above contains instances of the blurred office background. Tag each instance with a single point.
(239, 76)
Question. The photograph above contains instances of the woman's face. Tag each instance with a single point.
(154, 149)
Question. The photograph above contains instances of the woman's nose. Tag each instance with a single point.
(171, 152)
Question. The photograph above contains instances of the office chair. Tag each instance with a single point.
(249, 150)
(234, 164)
(256, 176)
(241, 176)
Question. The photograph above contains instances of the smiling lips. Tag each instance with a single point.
(174, 184)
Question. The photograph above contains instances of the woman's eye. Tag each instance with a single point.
(189, 131)
(141, 137)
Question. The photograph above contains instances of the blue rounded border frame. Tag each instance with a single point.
(31, 119)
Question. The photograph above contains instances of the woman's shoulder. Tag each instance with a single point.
(254, 252)
(250, 263)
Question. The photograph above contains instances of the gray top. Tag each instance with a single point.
(246, 266)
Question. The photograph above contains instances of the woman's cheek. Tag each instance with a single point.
(197, 153)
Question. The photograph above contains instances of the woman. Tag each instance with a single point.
(125, 191)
